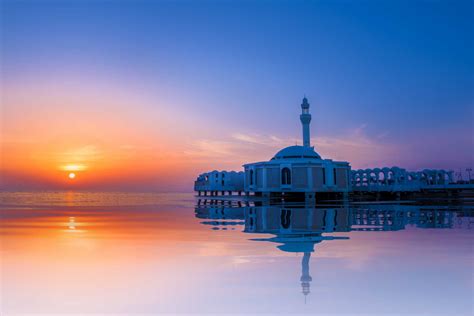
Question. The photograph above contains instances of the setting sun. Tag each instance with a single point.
(72, 175)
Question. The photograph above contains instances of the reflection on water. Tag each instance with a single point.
(114, 253)
(299, 229)
(36, 200)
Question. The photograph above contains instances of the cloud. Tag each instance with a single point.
(209, 148)
(263, 140)
(354, 146)
(246, 138)
(360, 130)
(87, 153)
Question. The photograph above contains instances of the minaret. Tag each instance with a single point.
(305, 277)
(305, 118)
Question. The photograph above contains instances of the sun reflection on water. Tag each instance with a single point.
(73, 226)
(94, 256)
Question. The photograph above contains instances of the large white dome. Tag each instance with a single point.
(293, 152)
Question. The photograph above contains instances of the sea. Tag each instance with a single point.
(115, 253)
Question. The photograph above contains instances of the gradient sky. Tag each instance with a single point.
(144, 95)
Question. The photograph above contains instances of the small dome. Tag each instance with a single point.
(292, 152)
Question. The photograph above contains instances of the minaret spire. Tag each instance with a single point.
(305, 277)
(305, 118)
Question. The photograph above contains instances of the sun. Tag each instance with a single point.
(72, 175)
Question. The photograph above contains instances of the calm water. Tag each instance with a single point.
(116, 253)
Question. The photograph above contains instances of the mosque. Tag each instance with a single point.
(299, 171)
(294, 169)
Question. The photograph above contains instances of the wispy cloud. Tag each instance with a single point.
(210, 148)
(87, 153)
(354, 146)
(259, 139)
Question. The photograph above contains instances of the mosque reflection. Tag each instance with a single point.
(298, 229)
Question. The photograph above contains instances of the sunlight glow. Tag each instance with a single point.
(73, 167)
(72, 175)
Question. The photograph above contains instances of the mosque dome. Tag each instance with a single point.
(293, 152)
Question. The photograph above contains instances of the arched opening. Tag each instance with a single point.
(432, 179)
(381, 177)
(401, 178)
(446, 178)
(391, 177)
(285, 176)
(373, 177)
(441, 177)
(365, 179)
(251, 176)
(424, 178)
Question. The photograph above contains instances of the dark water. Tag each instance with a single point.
(132, 254)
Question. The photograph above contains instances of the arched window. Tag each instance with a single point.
(285, 176)
(251, 176)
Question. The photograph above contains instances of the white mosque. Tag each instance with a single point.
(294, 169)
(300, 170)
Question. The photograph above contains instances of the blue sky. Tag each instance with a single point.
(396, 73)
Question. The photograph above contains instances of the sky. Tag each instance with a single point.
(145, 95)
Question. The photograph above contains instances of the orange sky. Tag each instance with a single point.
(141, 105)
(97, 130)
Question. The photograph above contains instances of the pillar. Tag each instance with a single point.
(310, 198)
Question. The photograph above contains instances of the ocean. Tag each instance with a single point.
(65, 253)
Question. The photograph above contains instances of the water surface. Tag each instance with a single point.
(123, 253)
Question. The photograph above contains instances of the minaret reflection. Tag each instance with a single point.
(305, 277)
(298, 229)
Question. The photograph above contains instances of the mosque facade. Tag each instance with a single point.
(298, 169)
(294, 169)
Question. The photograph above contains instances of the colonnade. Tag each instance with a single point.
(395, 176)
